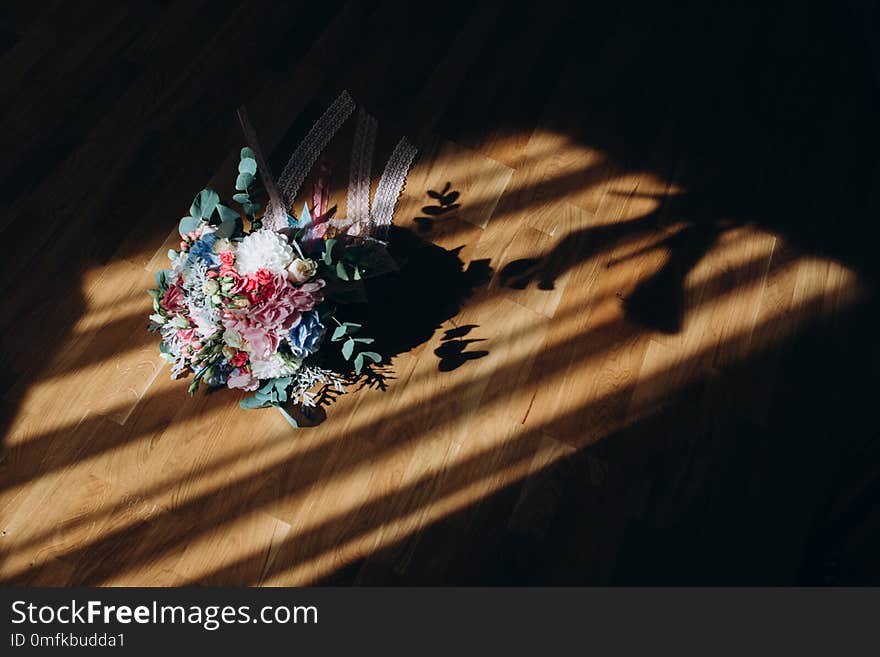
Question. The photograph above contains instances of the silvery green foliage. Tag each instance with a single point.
(309, 378)
(199, 303)
(173, 351)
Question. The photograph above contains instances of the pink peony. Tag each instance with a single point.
(263, 341)
(308, 295)
(276, 307)
(242, 284)
(279, 303)
(244, 380)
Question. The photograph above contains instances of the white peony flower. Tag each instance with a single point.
(273, 367)
(263, 249)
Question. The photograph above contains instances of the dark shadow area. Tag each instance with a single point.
(406, 307)
(657, 302)
(445, 203)
(453, 350)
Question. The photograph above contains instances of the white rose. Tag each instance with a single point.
(232, 338)
(301, 270)
(222, 245)
(274, 367)
(210, 287)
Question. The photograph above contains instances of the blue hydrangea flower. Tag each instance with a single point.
(306, 337)
(220, 372)
(203, 249)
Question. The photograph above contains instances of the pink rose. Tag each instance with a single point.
(263, 277)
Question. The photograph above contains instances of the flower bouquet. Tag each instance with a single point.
(258, 309)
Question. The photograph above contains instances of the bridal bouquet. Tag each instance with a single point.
(257, 309)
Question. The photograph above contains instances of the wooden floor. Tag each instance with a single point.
(642, 349)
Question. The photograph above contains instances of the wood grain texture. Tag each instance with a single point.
(634, 345)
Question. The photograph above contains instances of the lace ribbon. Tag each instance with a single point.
(304, 157)
(390, 187)
(361, 170)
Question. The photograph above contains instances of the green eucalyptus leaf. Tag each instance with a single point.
(248, 165)
(339, 333)
(188, 225)
(281, 385)
(252, 208)
(358, 363)
(241, 197)
(340, 271)
(204, 203)
(348, 348)
(247, 151)
(372, 355)
(227, 227)
(364, 340)
(252, 402)
(225, 212)
(328, 251)
(172, 254)
(243, 181)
